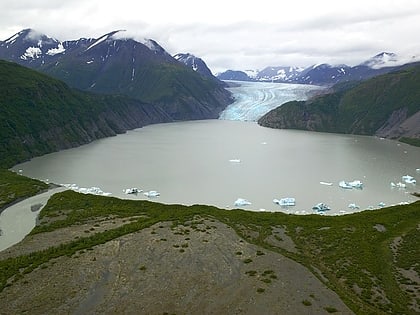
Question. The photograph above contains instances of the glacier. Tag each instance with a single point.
(254, 99)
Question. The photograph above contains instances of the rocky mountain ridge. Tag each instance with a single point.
(323, 74)
(117, 64)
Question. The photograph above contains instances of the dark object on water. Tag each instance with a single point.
(36, 207)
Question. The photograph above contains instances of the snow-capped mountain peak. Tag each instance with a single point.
(30, 45)
(103, 38)
(381, 60)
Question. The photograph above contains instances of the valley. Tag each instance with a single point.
(205, 232)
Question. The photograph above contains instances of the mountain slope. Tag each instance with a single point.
(114, 64)
(324, 74)
(39, 114)
(195, 63)
(387, 106)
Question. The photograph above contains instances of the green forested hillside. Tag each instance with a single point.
(385, 105)
(370, 259)
(39, 114)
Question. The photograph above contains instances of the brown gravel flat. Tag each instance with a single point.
(163, 270)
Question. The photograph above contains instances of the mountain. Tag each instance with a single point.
(383, 59)
(286, 74)
(39, 114)
(195, 63)
(234, 75)
(386, 106)
(323, 74)
(116, 64)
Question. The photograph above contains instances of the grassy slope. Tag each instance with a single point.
(360, 109)
(348, 250)
(14, 187)
(35, 109)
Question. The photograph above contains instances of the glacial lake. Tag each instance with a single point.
(215, 162)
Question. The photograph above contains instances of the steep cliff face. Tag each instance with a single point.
(39, 115)
(386, 106)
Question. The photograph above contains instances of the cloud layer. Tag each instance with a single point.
(235, 35)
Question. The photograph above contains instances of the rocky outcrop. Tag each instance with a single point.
(399, 125)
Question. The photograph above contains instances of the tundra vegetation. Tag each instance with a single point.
(374, 271)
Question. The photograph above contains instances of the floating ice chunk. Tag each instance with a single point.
(326, 183)
(353, 206)
(132, 190)
(345, 185)
(289, 201)
(321, 207)
(356, 184)
(409, 179)
(240, 202)
(381, 204)
(152, 194)
(235, 161)
(351, 185)
(398, 185)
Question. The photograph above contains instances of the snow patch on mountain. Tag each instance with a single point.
(12, 39)
(31, 53)
(188, 59)
(54, 51)
(100, 40)
(253, 74)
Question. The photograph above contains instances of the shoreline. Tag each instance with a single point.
(18, 220)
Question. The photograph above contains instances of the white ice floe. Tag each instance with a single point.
(289, 201)
(235, 160)
(353, 206)
(326, 183)
(381, 204)
(132, 190)
(87, 190)
(398, 185)
(321, 207)
(351, 185)
(408, 179)
(152, 194)
(240, 202)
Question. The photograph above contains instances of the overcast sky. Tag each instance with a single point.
(235, 34)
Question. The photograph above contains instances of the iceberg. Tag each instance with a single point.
(345, 185)
(326, 183)
(235, 161)
(91, 190)
(353, 206)
(350, 185)
(356, 184)
(132, 190)
(285, 201)
(152, 194)
(321, 207)
(398, 185)
(240, 202)
(408, 179)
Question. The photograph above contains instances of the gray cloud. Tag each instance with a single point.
(232, 36)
